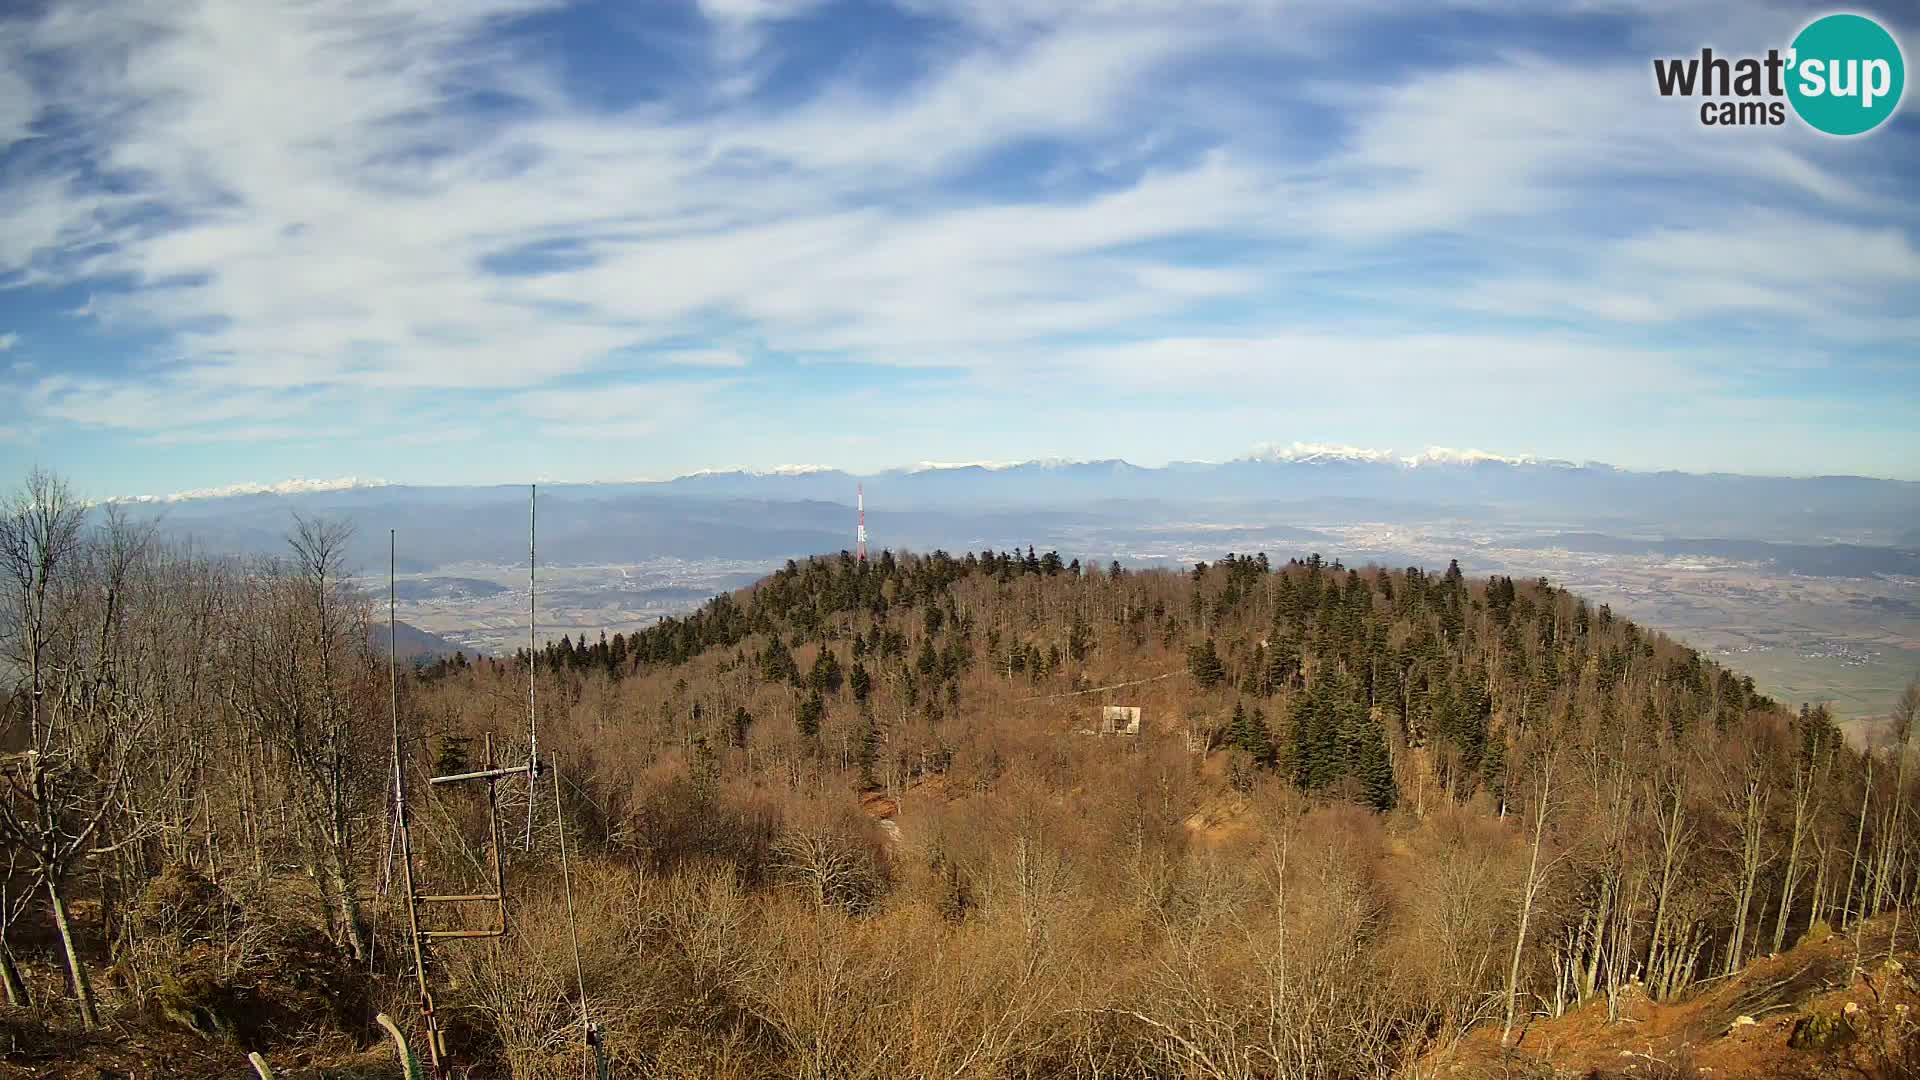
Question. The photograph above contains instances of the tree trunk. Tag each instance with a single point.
(1750, 838)
(1526, 901)
(1792, 877)
(1819, 892)
(82, 990)
(1853, 868)
(17, 995)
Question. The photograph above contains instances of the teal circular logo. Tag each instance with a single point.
(1845, 74)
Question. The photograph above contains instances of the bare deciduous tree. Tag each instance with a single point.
(85, 718)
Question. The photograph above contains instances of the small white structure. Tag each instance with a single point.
(1120, 720)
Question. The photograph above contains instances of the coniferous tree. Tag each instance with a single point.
(1248, 733)
(825, 675)
(704, 768)
(1237, 727)
(1313, 753)
(1203, 660)
(777, 664)
(1373, 767)
(1080, 639)
(1493, 771)
(812, 710)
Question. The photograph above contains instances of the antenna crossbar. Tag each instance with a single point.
(484, 774)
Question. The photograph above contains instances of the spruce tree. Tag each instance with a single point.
(1493, 770)
(1313, 750)
(1237, 736)
(1203, 661)
(812, 711)
(1079, 639)
(704, 768)
(1373, 767)
(1258, 739)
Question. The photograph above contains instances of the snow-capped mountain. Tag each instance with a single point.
(1301, 453)
(284, 487)
(780, 511)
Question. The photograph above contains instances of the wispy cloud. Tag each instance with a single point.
(295, 224)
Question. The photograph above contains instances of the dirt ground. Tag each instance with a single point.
(1745, 1026)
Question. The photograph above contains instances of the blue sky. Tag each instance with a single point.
(439, 241)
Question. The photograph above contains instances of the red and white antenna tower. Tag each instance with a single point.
(860, 533)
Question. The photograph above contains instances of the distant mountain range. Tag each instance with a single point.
(757, 515)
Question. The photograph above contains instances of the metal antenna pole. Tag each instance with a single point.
(533, 726)
(400, 815)
(587, 1031)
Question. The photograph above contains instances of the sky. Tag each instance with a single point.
(449, 241)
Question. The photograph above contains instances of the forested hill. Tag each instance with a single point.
(1358, 681)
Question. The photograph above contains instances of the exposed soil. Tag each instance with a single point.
(1744, 1026)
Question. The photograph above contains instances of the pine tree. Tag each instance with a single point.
(825, 675)
(1080, 639)
(1203, 661)
(1237, 736)
(812, 711)
(860, 682)
(1248, 733)
(1373, 767)
(1313, 751)
(777, 664)
(454, 756)
(1493, 771)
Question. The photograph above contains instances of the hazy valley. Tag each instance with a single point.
(1818, 599)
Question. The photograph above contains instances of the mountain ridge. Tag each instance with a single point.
(1432, 459)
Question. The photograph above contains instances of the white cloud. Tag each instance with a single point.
(1062, 83)
(17, 105)
(704, 358)
(1412, 372)
(152, 405)
(9, 341)
(618, 413)
(312, 217)
(1845, 281)
(1524, 137)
